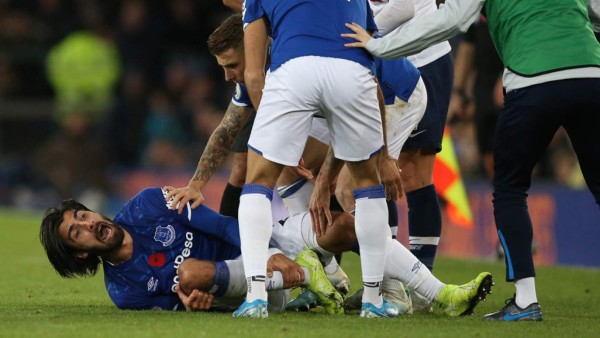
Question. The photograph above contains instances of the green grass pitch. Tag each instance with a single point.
(36, 302)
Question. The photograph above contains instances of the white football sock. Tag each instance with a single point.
(526, 294)
(401, 264)
(372, 233)
(255, 222)
(275, 282)
(332, 266)
(237, 279)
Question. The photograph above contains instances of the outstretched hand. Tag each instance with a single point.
(360, 35)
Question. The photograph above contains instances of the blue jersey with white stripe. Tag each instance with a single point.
(311, 27)
(162, 239)
(240, 96)
(397, 78)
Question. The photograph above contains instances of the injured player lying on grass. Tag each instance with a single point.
(154, 257)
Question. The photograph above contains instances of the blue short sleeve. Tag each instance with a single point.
(252, 11)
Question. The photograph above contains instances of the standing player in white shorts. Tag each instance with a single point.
(418, 154)
(311, 73)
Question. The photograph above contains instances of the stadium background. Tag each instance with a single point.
(99, 99)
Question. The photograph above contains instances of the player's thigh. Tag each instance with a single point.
(352, 110)
(365, 173)
(525, 127)
(261, 170)
(581, 126)
(344, 190)
(437, 77)
(402, 117)
(283, 121)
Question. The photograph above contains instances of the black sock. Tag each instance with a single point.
(230, 202)
(424, 222)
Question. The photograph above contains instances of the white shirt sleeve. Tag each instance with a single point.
(453, 17)
(393, 14)
(594, 10)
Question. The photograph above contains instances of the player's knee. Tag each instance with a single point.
(195, 274)
(185, 273)
(345, 222)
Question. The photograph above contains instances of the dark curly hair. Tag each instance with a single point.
(61, 256)
(229, 34)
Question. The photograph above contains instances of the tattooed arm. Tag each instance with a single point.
(215, 153)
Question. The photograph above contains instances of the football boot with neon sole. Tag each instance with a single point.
(460, 300)
(318, 283)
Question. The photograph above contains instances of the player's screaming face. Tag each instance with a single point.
(90, 232)
(233, 63)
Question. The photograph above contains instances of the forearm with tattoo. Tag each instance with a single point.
(219, 144)
(331, 167)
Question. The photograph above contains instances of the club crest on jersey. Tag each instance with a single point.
(165, 235)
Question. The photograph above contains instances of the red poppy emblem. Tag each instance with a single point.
(156, 260)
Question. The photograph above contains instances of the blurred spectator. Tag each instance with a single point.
(126, 124)
(139, 38)
(164, 138)
(84, 69)
(72, 163)
(478, 88)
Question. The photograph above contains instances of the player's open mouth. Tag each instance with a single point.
(104, 231)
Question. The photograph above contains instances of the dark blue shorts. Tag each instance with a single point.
(240, 145)
(438, 77)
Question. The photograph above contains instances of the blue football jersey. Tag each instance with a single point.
(311, 27)
(162, 239)
(397, 77)
(240, 96)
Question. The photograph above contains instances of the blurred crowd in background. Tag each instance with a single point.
(91, 90)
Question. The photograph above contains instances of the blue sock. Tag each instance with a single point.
(424, 223)
(220, 282)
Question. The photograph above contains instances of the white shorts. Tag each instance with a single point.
(294, 235)
(342, 91)
(319, 130)
(401, 118)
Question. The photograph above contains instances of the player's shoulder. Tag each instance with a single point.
(146, 203)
